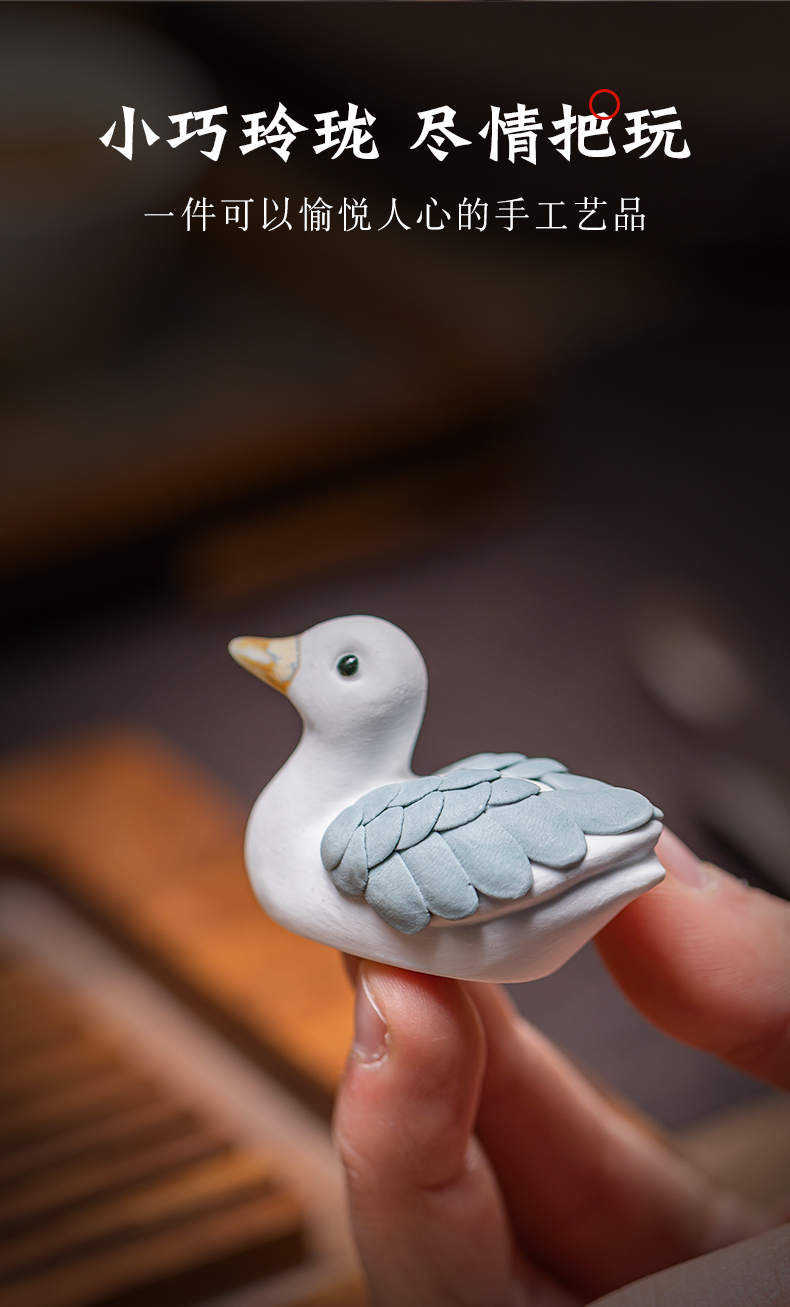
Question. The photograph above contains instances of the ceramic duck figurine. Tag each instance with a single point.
(499, 867)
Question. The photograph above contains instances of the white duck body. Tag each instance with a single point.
(359, 734)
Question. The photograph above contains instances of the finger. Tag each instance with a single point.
(708, 960)
(593, 1197)
(427, 1212)
(351, 967)
(751, 1274)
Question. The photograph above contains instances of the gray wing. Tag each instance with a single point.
(429, 846)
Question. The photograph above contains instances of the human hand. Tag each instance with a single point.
(485, 1170)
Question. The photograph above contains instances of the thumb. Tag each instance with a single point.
(707, 959)
(427, 1212)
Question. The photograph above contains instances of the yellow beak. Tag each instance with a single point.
(274, 661)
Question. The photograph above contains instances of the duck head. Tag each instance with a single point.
(358, 683)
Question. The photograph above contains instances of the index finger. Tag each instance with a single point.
(707, 959)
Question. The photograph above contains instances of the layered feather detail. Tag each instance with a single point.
(428, 846)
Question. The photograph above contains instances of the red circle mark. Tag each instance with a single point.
(605, 116)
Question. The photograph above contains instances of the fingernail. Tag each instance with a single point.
(683, 865)
(370, 1029)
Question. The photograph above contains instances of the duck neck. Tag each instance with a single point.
(330, 773)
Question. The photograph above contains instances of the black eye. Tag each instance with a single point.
(348, 665)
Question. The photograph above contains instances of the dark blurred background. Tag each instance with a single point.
(569, 446)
